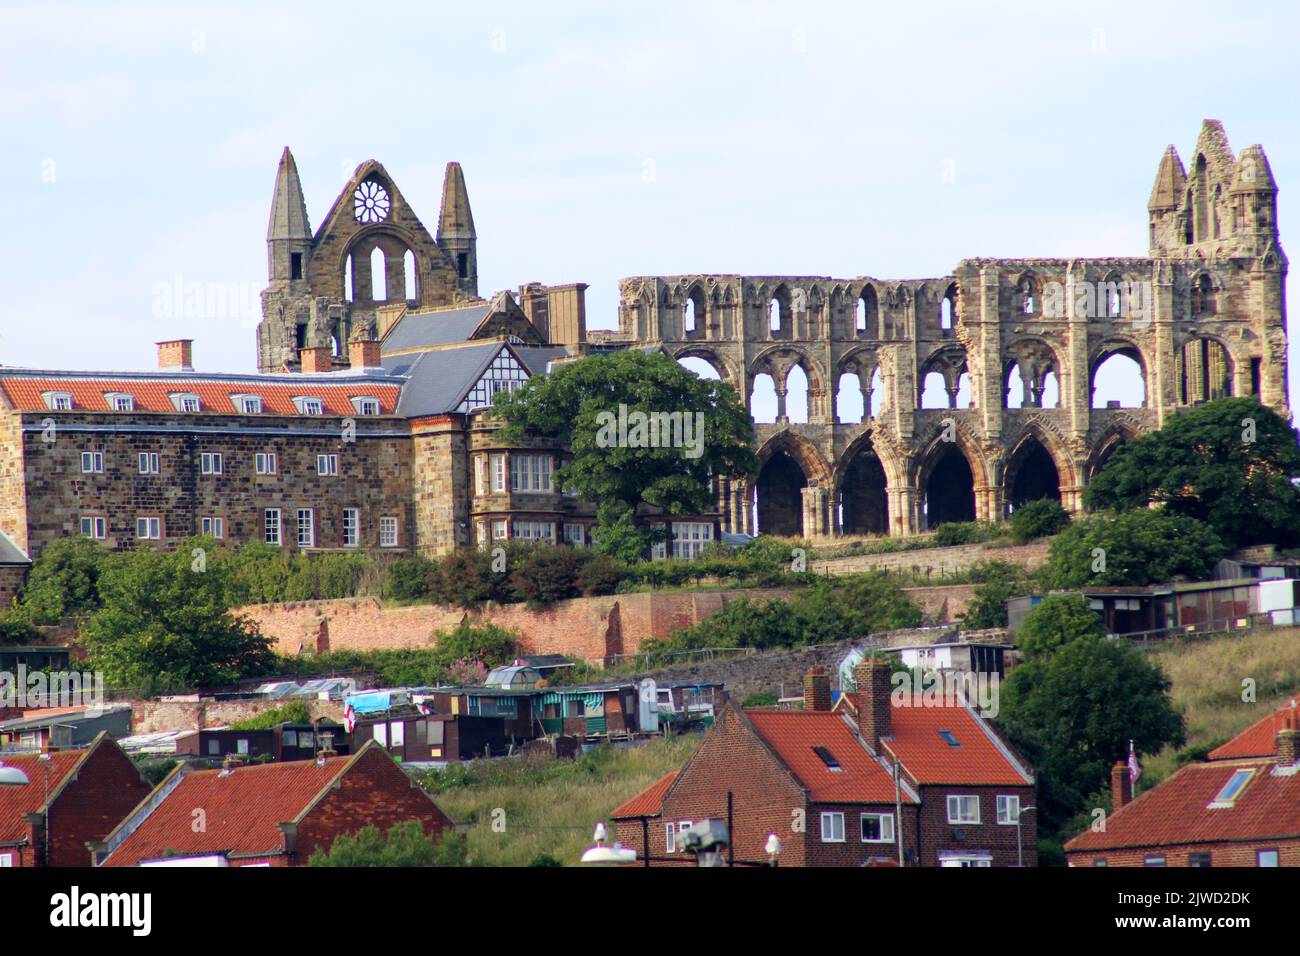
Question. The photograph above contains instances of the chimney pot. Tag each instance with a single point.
(1288, 740)
(1121, 786)
(873, 701)
(316, 360)
(176, 354)
(817, 690)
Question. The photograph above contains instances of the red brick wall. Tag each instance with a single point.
(106, 788)
(1221, 854)
(373, 792)
(937, 833)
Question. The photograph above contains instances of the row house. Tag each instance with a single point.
(1239, 807)
(863, 782)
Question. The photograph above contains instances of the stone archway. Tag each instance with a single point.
(863, 500)
(948, 487)
(779, 489)
(1031, 474)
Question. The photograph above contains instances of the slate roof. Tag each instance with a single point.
(438, 379)
(416, 330)
(10, 553)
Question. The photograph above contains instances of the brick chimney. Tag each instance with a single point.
(176, 354)
(1288, 740)
(1121, 786)
(364, 354)
(816, 690)
(872, 700)
(316, 360)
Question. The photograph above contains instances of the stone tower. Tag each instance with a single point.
(370, 255)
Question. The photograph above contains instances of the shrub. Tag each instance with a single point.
(545, 574)
(761, 699)
(64, 580)
(600, 574)
(293, 712)
(959, 532)
(409, 579)
(1038, 519)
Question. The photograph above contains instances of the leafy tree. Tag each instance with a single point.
(546, 574)
(403, 845)
(1038, 519)
(1059, 620)
(64, 580)
(487, 643)
(1131, 549)
(1073, 710)
(16, 627)
(575, 404)
(1232, 463)
(408, 578)
(1001, 581)
(165, 622)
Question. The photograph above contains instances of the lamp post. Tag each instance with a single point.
(1020, 857)
(600, 853)
(773, 849)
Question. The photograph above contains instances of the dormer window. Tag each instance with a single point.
(1231, 790)
(186, 402)
(58, 401)
(309, 406)
(247, 404)
(366, 405)
(120, 401)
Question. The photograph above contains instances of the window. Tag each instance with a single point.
(690, 538)
(266, 463)
(1100, 861)
(575, 534)
(94, 526)
(92, 462)
(530, 473)
(387, 531)
(497, 463)
(295, 265)
(1198, 859)
(148, 528)
(309, 406)
(148, 463)
(210, 462)
(398, 730)
(121, 401)
(503, 375)
(949, 738)
(216, 527)
(1266, 858)
(58, 401)
(965, 859)
(832, 828)
(1154, 861)
(1008, 809)
(877, 828)
(670, 834)
(272, 525)
(828, 758)
(6, 860)
(241, 746)
(247, 404)
(1232, 789)
(327, 465)
(365, 405)
(186, 402)
(306, 529)
(963, 809)
(351, 527)
(499, 530)
(534, 531)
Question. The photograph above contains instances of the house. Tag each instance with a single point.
(409, 734)
(63, 727)
(1190, 606)
(287, 741)
(968, 657)
(273, 814)
(865, 782)
(83, 794)
(1241, 808)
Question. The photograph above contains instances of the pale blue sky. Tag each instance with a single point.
(140, 140)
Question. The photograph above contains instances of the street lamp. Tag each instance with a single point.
(600, 853)
(772, 849)
(1020, 857)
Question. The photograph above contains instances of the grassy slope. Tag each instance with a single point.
(551, 807)
(1207, 676)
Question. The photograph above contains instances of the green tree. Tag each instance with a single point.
(403, 845)
(64, 580)
(165, 622)
(1130, 549)
(579, 404)
(486, 643)
(1231, 463)
(1038, 519)
(1059, 620)
(1001, 581)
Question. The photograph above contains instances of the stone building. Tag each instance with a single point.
(1010, 347)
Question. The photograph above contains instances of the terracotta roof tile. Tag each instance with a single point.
(794, 734)
(648, 802)
(1260, 738)
(928, 757)
(16, 801)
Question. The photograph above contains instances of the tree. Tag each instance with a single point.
(1059, 620)
(486, 643)
(1232, 463)
(1134, 548)
(1072, 712)
(64, 580)
(643, 431)
(1038, 519)
(403, 845)
(1001, 581)
(165, 622)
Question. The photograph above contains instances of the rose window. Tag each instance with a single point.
(370, 202)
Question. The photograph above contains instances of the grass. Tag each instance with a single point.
(1208, 676)
(516, 810)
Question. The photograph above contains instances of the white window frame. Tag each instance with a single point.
(149, 463)
(1008, 809)
(210, 463)
(58, 401)
(500, 530)
(1269, 852)
(273, 527)
(832, 817)
(497, 467)
(670, 833)
(309, 405)
(148, 528)
(886, 821)
(351, 527)
(535, 531)
(186, 402)
(388, 531)
(94, 526)
(576, 535)
(327, 465)
(214, 525)
(6, 861)
(531, 473)
(248, 404)
(120, 401)
(955, 800)
(690, 538)
(266, 463)
(366, 405)
(306, 537)
(92, 462)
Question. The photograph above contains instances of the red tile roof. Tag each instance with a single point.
(979, 759)
(794, 733)
(242, 809)
(648, 802)
(153, 393)
(1176, 811)
(1260, 738)
(29, 798)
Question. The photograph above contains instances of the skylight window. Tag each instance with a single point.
(1232, 789)
(828, 758)
(949, 738)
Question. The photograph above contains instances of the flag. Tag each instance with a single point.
(349, 719)
(1134, 768)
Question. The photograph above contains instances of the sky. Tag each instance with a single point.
(139, 141)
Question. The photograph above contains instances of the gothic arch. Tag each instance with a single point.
(725, 368)
(1116, 433)
(802, 451)
(1019, 454)
(1127, 347)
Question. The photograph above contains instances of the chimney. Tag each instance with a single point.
(872, 699)
(363, 354)
(816, 690)
(176, 354)
(1121, 786)
(1288, 740)
(315, 360)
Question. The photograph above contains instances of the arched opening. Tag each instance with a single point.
(347, 279)
(934, 392)
(948, 308)
(409, 274)
(1031, 475)
(1028, 296)
(780, 496)
(1112, 297)
(774, 315)
(1205, 372)
(848, 399)
(1117, 381)
(1105, 451)
(796, 395)
(963, 391)
(378, 275)
(860, 317)
(688, 317)
(336, 343)
(762, 401)
(877, 393)
(1051, 391)
(1201, 228)
(863, 504)
(1202, 296)
(702, 367)
(950, 488)
(1014, 390)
